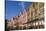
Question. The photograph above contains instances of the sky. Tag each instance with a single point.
(13, 8)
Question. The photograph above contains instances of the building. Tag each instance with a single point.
(35, 14)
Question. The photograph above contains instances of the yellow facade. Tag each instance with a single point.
(35, 11)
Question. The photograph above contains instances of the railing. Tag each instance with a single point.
(36, 24)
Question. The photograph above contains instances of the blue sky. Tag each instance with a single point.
(13, 8)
